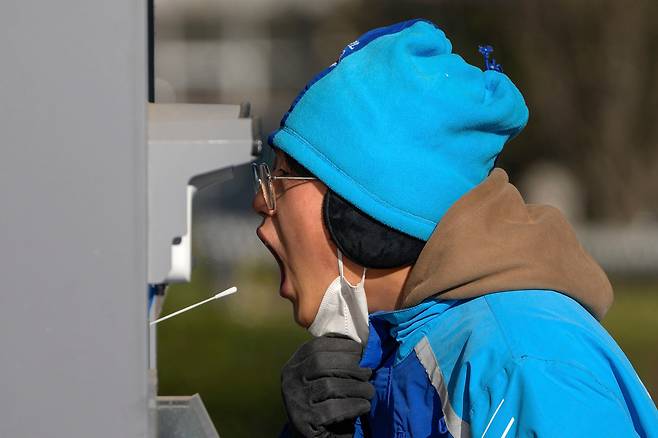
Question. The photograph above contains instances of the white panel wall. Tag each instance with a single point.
(73, 219)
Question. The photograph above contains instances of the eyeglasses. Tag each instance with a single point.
(263, 182)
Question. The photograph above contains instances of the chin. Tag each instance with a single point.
(301, 320)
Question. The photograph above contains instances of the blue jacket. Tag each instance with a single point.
(497, 333)
(521, 363)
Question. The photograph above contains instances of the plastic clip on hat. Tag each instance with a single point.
(401, 127)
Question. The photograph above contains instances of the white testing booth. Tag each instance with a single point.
(95, 191)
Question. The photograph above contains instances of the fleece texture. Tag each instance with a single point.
(401, 127)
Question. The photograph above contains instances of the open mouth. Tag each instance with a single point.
(276, 257)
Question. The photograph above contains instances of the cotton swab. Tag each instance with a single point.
(228, 291)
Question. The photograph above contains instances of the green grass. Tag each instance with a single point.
(633, 323)
(231, 351)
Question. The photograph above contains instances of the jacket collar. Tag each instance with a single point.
(394, 334)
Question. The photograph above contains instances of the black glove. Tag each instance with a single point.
(324, 388)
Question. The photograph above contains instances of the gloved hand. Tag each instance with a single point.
(324, 388)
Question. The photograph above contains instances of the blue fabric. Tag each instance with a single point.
(532, 363)
(400, 126)
(404, 404)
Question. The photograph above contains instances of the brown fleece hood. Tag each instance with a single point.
(490, 240)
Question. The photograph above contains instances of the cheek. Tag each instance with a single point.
(300, 228)
(310, 254)
(311, 274)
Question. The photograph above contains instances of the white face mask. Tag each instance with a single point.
(344, 309)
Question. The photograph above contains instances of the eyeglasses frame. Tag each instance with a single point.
(261, 186)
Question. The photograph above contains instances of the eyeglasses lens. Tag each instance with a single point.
(256, 176)
(266, 186)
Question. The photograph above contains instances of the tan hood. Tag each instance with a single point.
(490, 240)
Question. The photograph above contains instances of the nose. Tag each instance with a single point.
(259, 206)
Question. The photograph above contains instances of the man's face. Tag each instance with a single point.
(296, 237)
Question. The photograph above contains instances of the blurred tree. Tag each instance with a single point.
(590, 72)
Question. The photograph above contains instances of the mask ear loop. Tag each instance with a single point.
(340, 270)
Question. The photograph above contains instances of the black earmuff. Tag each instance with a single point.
(365, 240)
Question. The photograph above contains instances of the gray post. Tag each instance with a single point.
(73, 333)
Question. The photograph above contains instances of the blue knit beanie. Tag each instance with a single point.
(400, 126)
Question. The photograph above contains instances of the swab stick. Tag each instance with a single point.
(228, 291)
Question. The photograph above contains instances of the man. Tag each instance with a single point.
(394, 231)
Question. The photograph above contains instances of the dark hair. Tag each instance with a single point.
(360, 237)
(296, 168)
